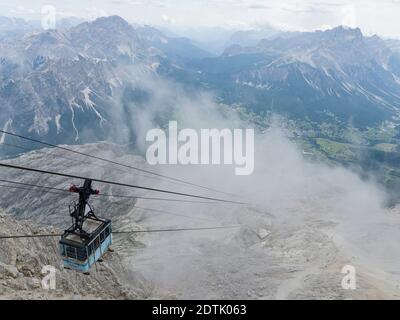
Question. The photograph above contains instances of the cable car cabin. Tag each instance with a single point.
(81, 252)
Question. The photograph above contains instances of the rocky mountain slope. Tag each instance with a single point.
(76, 85)
(86, 83)
(61, 83)
(248, 38)
(179, 49)
(22, 262)
(333, 75)
(292, 248)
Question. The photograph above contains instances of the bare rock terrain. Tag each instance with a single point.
(291, 249)
(22, 262)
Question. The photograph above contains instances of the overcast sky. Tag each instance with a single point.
(372, 16)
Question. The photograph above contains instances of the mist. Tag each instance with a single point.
(288, 194)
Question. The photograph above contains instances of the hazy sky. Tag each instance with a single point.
(372, 16)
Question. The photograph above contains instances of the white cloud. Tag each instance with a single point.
(168, 19)
(92, 13)
(349, 16)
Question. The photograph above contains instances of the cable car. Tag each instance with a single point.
(89, 237)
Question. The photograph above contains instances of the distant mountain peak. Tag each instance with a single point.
(343, 28)
(114, 20)
(345, 32)
(105, 24)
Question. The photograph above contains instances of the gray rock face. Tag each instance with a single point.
(63, 83)
(22, 262)
(7, 271)
(74, 85)
(335, 73)
(286, 252)
(16, 27)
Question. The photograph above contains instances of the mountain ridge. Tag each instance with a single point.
(57, 83)
(337, 70)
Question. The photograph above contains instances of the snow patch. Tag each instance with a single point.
(41, 124)
(86, 93)
(90, 104)
(57, 118)
(309, 82)
(73, 123)
(7, 127)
